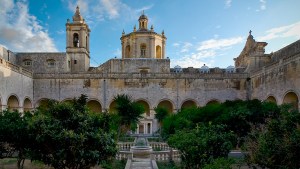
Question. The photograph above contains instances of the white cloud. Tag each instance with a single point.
(219, 43)
(291, 30)
(20, 31)
(144, 8)
(205, 52)
(263, 4)
(228, 3)
(186, 47)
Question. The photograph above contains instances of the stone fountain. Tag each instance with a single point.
(141, 148)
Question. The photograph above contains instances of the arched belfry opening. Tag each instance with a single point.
(127, 51)
(75, 40)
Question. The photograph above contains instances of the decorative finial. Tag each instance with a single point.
(250, 32)
(123, 33)
(134, 28)
(143, 12)
(163, 32)
(152, 28)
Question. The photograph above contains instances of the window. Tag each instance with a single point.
(51, 63)
(75, 61)
(69, 64)
(143, 50)
(27, 62)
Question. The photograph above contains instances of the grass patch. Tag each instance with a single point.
(153, 139)
(126, 139)
(167, 165)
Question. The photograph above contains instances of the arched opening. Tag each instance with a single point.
(146, 107)
(271, 99)
(69, 101)
(212, 102)
(127, 51)
(188, 104)
(43, 103)
(12, 103)
(166, 104)
(143, 50)
(0, 104)
(112, 107)
(94, 106)
(158, 52)
(27, 105)
(291, 98)
(75, 40)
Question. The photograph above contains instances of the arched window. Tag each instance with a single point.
(27, 62)
(75, 40)
(13, 103)
(51, 63)
(158, 52)
(86, 42)
(143, 50)
(127, 51)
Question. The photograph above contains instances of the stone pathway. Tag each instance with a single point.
(141, 163)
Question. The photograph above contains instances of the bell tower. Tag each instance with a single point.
(78, 43)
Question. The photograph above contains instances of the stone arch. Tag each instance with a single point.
(145, 105)
(291, 98)
(68, 100)
(166, 104)
(143, 48)
(0, 104)
(75, 40)
(13, 102)
(112, 107)
(188, 104)
(42, 103)
(94, 105)
(127, 51)
(271, 99)
(158, 52)
(213, 101)
(27, 104)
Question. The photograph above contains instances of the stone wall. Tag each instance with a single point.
(15, 81)
(39, 62)
(135, 65)
(279, 77)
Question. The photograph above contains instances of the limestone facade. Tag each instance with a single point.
(29, 78)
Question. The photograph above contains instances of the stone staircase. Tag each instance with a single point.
(140, 163)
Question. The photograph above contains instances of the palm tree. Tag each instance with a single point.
(129, 112)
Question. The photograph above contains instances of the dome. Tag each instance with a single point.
(143, 16)
(230, 69)
(204, 69)
(178, 69)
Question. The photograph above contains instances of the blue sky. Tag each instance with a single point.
(210, 32)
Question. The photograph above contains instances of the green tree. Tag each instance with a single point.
(69, 136)
(276, 144)
(160, 114)
(202, 145)
(129, 112)
(14, 135)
